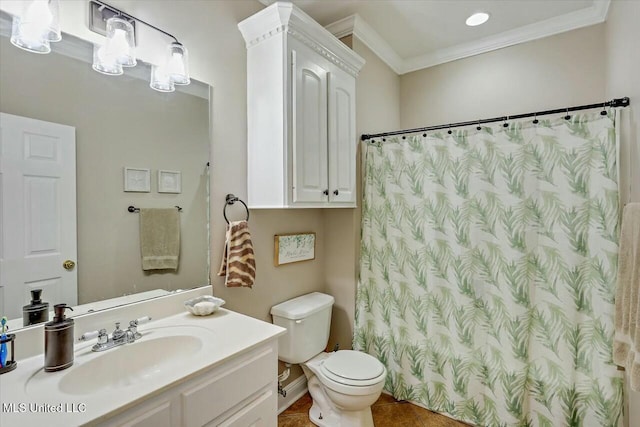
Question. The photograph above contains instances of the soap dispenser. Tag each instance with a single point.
(37, 311)
(58, 340)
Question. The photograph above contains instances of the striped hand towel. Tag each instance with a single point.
(238, 261)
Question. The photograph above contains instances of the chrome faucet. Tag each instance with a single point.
(118, 336)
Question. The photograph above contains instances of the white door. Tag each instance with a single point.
(342, 137)
(309, 139)
(37, 211)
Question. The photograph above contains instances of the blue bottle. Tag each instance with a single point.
(3, 346)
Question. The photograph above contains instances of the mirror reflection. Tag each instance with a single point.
(78, 148)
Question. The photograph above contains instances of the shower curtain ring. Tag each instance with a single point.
(505, 124)
(567, 117)
(604, 111)
(479, 127)
(449, 131)
(535, 119)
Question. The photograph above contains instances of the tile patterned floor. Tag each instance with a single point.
(387, 412)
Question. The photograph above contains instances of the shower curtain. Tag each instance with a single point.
(487, 271)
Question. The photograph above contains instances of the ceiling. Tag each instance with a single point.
(414, 34)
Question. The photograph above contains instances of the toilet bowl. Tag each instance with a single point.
(343, 384)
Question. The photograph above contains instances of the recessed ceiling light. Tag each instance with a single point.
(477, 19)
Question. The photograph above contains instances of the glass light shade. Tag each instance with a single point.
(178, 64)
(105, 63)
(53, 34)
(161, 80)
(121, 41)
(37, 25)
(25, 38)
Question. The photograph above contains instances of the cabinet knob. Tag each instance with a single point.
(336, 192)
(325, 192)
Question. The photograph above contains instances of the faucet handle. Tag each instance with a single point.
(89, 335)
(102, 336)
(141, 320)
(93, 334)
(133, 326)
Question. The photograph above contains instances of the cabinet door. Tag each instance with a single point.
(309, 128)
(342, 137)
(259, 413)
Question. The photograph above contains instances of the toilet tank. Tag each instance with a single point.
(307, 319)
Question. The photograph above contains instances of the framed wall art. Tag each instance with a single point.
(137, 180)
(294, 247)
(169, 181)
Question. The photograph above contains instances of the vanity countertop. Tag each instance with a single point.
(32, 397)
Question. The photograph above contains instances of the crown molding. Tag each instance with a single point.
(357, 26)
(594, 14)
(284, 17)
(354, 24)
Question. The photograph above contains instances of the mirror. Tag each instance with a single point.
(120, 122)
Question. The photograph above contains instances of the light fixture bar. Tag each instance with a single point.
(130, 17)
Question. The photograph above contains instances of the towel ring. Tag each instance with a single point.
(230, 200)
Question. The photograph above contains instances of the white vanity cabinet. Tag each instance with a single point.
(241, 392)
(301, 88)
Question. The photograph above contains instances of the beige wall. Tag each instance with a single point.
(623, 79)
(377, 109)
(562, 70)
(119, 122)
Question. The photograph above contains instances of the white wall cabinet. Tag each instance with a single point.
(238, 393)
(302, 142)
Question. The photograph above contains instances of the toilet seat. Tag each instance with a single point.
(353, 368)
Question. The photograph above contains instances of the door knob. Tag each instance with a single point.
(68, 264)
(325, 192)
(336, 192)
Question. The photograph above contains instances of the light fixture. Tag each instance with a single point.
(477, 19)
(178, 64)
(161, 79)
(37, 26)
(105, 63)
(121, 41)
(120, 46)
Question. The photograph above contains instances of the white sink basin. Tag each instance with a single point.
(129, 364)
(160, 352)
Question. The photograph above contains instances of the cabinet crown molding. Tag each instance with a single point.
(285, 17)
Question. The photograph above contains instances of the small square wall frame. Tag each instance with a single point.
(169, 181)
(137, 180)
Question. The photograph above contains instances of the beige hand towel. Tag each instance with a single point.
(626, 345)
(238, 261)
(160, 238)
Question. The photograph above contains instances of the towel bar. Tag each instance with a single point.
(230, 200)
(133, 209)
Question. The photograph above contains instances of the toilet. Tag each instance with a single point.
(343, 384)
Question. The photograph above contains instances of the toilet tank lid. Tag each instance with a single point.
(302, 306)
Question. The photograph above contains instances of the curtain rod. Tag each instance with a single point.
(617, 102)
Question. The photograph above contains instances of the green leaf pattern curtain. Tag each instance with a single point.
(487, 271)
